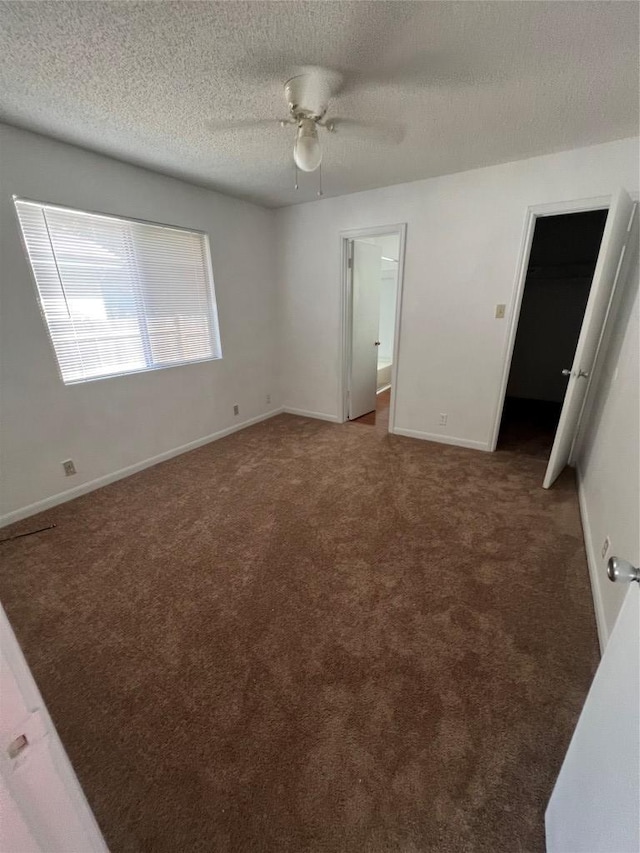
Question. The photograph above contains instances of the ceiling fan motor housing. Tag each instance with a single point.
(308, 95)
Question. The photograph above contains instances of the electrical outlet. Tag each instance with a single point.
(500, 311)
(605, 547)
(443, 419)
(268, 399)
(236, 409)
(69, 468)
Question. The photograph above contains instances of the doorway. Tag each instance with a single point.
(562, 261)
(619, 226)
(372, 288)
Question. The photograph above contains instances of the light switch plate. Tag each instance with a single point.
(500, 311)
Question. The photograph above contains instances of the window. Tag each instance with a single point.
(118, 295)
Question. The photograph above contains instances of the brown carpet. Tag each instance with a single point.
(311, 637)
(529, 426)
(380, 417)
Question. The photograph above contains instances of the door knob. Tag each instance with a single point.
(566, 372)
(621, 571)
(377, 343)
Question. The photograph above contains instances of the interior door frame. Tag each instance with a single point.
(534, 212)
(347, 317)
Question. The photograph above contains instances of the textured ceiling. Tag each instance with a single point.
(473, 83)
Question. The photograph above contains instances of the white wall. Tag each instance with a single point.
(608, 458)
(110, 424)
(464, 233)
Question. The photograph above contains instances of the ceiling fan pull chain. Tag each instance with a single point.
(320, 193)
(295, 166)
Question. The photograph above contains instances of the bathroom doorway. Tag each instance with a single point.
(372, 295)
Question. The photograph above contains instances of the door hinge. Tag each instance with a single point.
(349, 262)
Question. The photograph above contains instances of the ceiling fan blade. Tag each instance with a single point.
(430, 70)
(385, 133)
(246, 125)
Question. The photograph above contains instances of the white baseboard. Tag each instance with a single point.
(594, 564)
(320, 416)
(92, 485)
(442, 439)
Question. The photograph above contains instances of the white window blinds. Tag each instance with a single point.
(118, 295)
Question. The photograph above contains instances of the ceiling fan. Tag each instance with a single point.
(307, 95)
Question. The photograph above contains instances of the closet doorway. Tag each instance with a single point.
(571, 262)
(561, 266)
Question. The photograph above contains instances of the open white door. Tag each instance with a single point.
(595, 805)
(42, 806)
(366, 273)
(612, 249)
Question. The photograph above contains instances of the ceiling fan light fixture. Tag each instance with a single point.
(307, 152)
